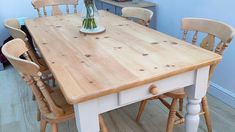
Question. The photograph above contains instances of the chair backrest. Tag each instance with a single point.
(29, 71)
(213, 29)
(54, 4)
(14, 28)
(143, 15)
(13, 50)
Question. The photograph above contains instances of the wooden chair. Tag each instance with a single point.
(51, 103)
(13, 28)
(212, 29)
(142, 15)
(54, 4)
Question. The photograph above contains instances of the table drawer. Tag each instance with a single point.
(163, 86)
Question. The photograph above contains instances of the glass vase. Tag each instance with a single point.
(90, 17)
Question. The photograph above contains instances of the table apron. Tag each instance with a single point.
(133, 95)
(194, 82)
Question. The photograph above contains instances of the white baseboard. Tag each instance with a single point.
(223, 94)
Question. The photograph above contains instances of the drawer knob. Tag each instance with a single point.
(153, 89)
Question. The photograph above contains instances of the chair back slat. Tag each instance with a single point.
(67, 9)
(38, 11)
(213, 29)
(13, 28)
(144, 15)
(44, 11)
(208, 42)
(221, 30)
(56, 10)
(75, 9)
(31, 74)
(185, 35)
(195, 38)
(221, 47)
(13, 50)
(55, 5)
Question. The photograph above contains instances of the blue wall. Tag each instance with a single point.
(9, 10)
(170, 13)
(16, 9)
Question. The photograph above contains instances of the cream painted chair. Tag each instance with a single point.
(42, 5)
(142, 15)
(52, 104)
(212, 29)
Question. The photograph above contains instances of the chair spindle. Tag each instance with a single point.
(75, 9)
(67, 9)
(185, 35)
(195, 38)
(58, 111)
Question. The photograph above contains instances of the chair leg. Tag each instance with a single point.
(43, 125)
(103, 127)
(33, 97)
(207, 117)
(53, 82)
(165, 103)
(171, 116)
(48, 81)
(54, 127)
(141, 109)
(181, 104)
(38, 115)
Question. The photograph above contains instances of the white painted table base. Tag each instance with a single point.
(196, 83)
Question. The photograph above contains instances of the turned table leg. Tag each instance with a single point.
(195, 93)
(192, 116)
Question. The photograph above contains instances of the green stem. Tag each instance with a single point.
(89, 21)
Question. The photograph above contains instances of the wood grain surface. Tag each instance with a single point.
(125, 56)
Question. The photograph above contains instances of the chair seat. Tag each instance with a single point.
(179, 93)
(60, 101)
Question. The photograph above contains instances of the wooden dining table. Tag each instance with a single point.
(124, 65)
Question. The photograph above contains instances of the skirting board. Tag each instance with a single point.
(223, 94)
